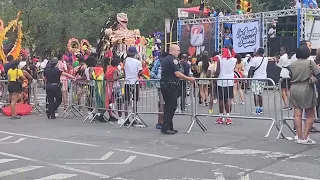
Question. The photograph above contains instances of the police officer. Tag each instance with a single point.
(53, 87)
(170, 87)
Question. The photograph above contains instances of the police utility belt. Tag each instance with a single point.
(54, 84)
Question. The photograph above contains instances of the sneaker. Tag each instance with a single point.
(15, 117)
(257, 111)
(306, 141)
(159, 126)
(219, 121)
(242, 103)
(233, 103)
(210, 111)
(261, 110)
(56, 114)
(215, 101)
(120, 121)
(138, 125)
(112, 119)
(228, 121)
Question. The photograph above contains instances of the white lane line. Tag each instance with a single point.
(18, 170)
(6, 160)
(57, 177)
(285, 175)
(8, 137)
(127, 161)
(249, 152)
(219, 175)
(215, 163)
(57, 165)
(19, 140)
(50, 139)
(106, 156)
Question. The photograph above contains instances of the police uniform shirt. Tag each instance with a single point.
(52, 75)
(169, 66)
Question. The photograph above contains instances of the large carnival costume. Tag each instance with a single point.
(16, 26)
(117, 38)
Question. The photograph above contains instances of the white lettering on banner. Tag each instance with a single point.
(246, 37)
(313, 36)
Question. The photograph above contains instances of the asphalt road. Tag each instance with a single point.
(37, 148)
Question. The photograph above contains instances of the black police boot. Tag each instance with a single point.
(168, 132)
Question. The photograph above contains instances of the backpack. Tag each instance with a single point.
(97, 73)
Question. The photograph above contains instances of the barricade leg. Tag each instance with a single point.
(194, 120)
(71, 108)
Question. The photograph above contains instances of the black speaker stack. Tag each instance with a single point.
(286, 36)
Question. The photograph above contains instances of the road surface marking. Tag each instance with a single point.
(8, 137)
(215, 163)
(243, 176)
(219, 175)
(58, 177)
(104, 158)
(285, 175)
(57, 165)
(249, 152)
(18, 170)
(50, 139)
(6, 160)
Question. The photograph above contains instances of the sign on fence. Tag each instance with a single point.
(312, 33)
(246, 37)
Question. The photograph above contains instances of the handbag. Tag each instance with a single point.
(312, 79)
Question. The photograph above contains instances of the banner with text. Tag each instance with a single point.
(312, 33)
(246, 37)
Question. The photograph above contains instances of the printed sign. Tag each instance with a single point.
(182, 14)
(312, 33)
(246, 37)
(197, 35)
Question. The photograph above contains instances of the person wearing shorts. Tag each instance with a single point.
(258, 70)
(132, 69)
(62, 66)
(225, 70)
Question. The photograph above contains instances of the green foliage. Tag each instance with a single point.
(48, 24)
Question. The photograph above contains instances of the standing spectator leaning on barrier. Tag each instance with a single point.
(15, 76)
(132, 72)
(212, 89)
(225, 70)
(293, 59)
(284, 64)
(64, 80)
(239, 68)
(170, 87)
(185, 69)
(203, 66)
(246, 63)
(258, 70)
(53, 87)
(156, 75)
(305, 74)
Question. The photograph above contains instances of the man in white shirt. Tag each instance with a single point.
(258, 70)
(132, 71)
(303, 42)
(272, 31)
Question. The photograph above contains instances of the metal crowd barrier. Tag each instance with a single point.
(287, 113)
(100, 97)
(240, 108)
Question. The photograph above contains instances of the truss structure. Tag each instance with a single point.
(265, 19)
